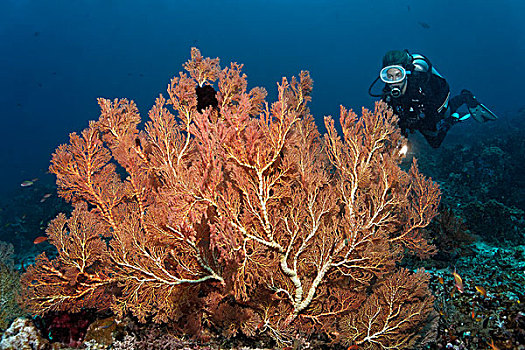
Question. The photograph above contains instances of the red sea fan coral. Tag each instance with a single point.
(235, 204)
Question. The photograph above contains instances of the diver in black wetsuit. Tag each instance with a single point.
(420, 96)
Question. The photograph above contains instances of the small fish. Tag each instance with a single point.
(44, 197)
(424, 25)
(481, 291)
(459, 281)
(108, 323)
(40, 239)
(27, 183)
(352, 347)
(440, 280)
(473, 314)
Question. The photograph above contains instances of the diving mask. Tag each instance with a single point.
(393, 74)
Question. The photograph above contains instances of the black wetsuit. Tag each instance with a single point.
(423, 106)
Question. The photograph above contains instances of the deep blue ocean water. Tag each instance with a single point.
(57, 57)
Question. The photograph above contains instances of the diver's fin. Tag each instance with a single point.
(482, 114)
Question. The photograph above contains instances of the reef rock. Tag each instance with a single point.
(22, 335)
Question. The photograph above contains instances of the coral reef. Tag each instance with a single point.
(480, 232)
(495, 222)
(227, 216)
(449, 233)
(23, 335)
(490, 308)
(483, 183)
(65, 327)
(9, 287)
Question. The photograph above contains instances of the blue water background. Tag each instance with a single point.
(57, 57)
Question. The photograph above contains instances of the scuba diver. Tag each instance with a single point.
(420, 96)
